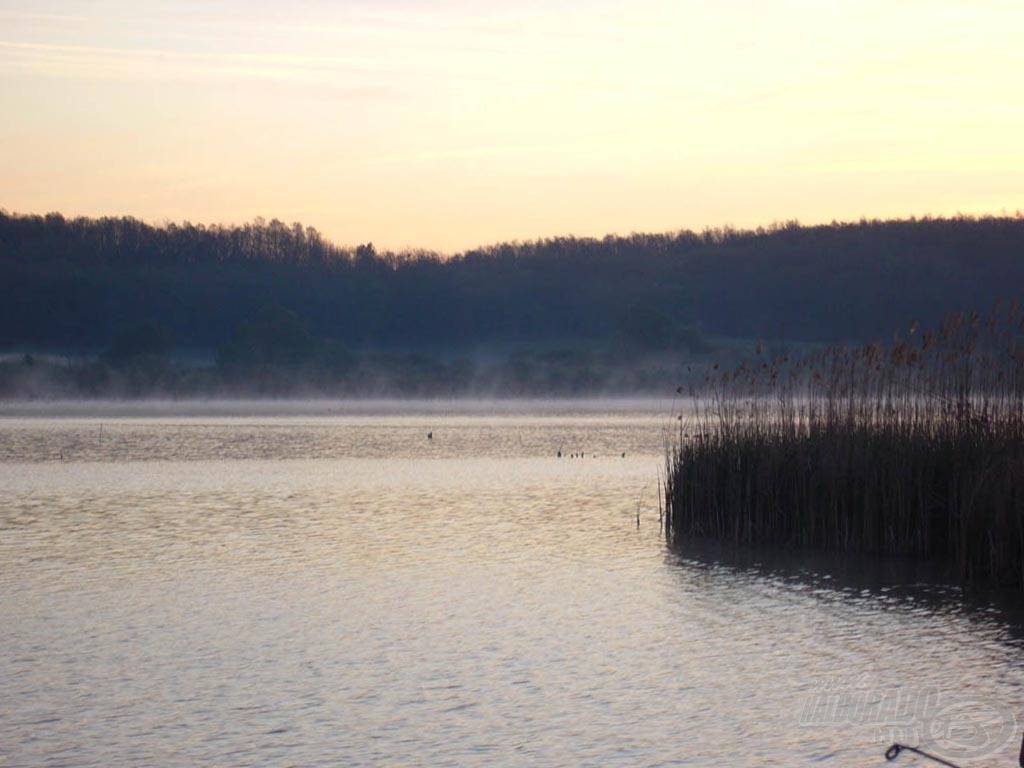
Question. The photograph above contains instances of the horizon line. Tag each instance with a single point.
(725, 229)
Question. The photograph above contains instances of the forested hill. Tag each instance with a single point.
(80, 285)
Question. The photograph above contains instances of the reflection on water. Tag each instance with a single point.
(323, 588)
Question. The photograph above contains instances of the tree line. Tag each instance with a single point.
(273, 294)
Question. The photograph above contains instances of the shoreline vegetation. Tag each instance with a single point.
(115, 307)
(914, 448)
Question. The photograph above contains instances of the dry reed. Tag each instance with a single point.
(914, 448)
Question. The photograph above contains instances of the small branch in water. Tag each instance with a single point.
(661, 515)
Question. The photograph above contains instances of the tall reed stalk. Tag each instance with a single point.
(915, 448)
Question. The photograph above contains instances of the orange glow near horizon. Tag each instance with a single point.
(446, 125)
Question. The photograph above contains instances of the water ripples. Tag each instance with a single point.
(344, 593)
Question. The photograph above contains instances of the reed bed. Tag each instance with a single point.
(913, 448)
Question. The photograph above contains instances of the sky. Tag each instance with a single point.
(450, 124)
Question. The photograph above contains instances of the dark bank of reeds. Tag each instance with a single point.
(916, 448)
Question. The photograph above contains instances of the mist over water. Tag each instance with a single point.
(321, 584)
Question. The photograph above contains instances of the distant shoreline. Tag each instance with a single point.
(314, 407)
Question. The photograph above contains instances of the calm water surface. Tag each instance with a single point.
(320, 584)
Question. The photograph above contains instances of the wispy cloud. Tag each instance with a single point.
(91, 60)
(12, 15)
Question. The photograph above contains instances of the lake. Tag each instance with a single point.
(322, 584)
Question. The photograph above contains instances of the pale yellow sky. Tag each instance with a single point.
(446, 125)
